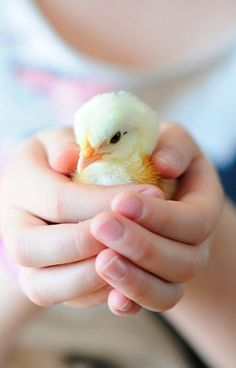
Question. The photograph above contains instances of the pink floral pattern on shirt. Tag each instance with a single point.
(66, 94)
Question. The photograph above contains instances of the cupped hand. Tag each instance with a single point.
(45, 221)
(155, 246)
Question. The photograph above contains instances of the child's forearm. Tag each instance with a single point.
(15, 311)
(207, 313)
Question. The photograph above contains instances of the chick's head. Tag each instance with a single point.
(114, 126)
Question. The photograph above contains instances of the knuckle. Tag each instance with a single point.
(161, 303)
(189, 270)
(77, 241)
(55, 205)
(89, 300)
(105, 199)
(60, 204)
(202, 227)
(83, 243)
(207, 218)
(81, 240)
(139, 294)
(202, 234)
(142, 254)
(164, 222)
(17, 244)
(168, 303)
(196, 261)
(31, 287)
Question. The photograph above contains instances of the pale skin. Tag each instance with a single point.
(65, 203)
(163, 248)
(42, 167)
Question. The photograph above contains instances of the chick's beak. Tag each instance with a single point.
(87, 155)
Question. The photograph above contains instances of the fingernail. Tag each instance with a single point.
(130, 207)
(169, 157)
(115, 269)
(126, 306)
(109, 230)
(154, 192)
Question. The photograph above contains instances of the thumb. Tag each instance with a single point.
(175, 151)
(61, 148)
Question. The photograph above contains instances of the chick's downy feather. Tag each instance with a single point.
(117, 134)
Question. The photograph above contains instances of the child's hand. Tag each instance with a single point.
(41, 214)
(155, 246)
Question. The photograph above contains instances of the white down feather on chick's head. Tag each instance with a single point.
(117, 134)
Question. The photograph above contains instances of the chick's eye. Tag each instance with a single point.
(115, 138)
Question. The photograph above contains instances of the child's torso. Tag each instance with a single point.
(44, 80)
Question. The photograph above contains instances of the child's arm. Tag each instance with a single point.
(206, 315)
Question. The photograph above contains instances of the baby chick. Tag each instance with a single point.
(117, 134)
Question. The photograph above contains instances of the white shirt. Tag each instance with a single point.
(44, 81)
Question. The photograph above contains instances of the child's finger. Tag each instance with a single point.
(136, 284)
(165, 258)
(89, 300)
(190, 219)
(33, 243)
(61, 149)
(121, 305)
(59, 284)
(175, 151)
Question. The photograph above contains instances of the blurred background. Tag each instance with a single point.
(42, 82)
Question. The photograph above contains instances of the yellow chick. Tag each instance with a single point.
(117, 134)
